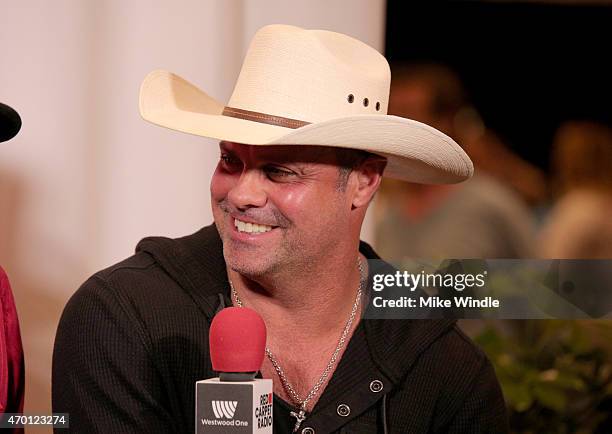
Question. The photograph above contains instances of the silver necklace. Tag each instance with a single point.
(300, 416)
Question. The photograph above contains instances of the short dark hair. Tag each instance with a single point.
(348, 160)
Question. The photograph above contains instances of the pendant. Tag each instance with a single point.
(299, 418)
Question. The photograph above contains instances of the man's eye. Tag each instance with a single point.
(277, 172)
(229, 161)
(226, 158)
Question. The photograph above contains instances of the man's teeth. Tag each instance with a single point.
(253, 228)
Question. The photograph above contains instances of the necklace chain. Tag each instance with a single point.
(302, 403)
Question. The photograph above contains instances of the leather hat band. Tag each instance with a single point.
(263, 118)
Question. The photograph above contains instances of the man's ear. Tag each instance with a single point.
(368, 176)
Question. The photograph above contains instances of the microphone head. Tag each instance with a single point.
(10, 123)
(237, 340)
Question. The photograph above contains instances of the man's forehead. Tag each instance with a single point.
(304, 153)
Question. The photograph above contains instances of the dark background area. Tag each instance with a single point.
(527, 66)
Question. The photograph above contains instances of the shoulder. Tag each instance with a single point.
(486, 193)
(434, 352)
(4, 283)
(118, 286)
(137, 299)
(456, 340)
(471, 396)
(114, 298)
(466, 383)
(581, 206)
(453, 359)
(170, 287)
(164, 273)
(139, 276)
(456, 364)
(449, 381)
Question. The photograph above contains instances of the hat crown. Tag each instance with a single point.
(311, 75)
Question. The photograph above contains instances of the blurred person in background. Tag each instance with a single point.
(580, 224)
(485, 217)
(564, 380)
(12, 379)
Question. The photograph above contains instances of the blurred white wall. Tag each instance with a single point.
(87, 178)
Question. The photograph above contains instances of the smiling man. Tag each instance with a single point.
(304, 142)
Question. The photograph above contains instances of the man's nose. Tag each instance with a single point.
(249, 191)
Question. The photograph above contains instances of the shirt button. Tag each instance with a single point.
(308, 430)
(343, 410)
(376, 386)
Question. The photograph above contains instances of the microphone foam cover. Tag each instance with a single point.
(10, 123)
(237, 340)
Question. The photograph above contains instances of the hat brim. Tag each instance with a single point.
(415, 151)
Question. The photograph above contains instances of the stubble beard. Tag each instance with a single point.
(295, 253)
(256, 262)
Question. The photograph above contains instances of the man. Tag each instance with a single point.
(304, 141)
(438, 221)
(12, 378)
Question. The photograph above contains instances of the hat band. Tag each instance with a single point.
(263, 118)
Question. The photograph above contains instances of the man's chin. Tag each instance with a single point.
(248, 269)
(249, 262)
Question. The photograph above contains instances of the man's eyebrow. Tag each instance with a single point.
(223, 148)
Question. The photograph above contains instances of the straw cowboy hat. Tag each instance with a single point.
(309, 87)
(10, 123)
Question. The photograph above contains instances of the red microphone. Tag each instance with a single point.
(236, 401)
(237, 340)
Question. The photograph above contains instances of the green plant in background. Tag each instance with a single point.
(556, 375)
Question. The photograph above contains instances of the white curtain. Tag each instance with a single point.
(87, 178)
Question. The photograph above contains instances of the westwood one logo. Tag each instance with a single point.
(224, 409)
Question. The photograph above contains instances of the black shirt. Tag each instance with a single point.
(133, 340)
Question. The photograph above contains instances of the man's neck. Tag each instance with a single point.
(317, 299)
